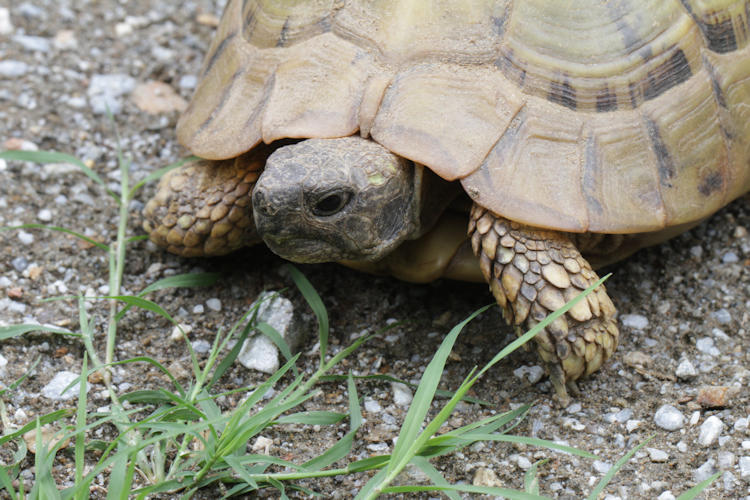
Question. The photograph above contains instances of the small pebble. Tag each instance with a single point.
(44, 215)
(682, 446)
(745, 467)
(532, 373)
(637, 359)
(201, 346)
(179, 331)
(198, 309)
(65, 40)
(741, 424)
(713, 396)
(372, 406)
(696, 252)
(740, 232)
(633, 424)
(105, 90)
(601, 467)
(13, 69)
(54, 388)
(188, 82)
(262, 445)
(3, 364)
(33, 43)
(704, 471)
(657, 455)
(666, 495)
(634, 321)
(730, 258)
(686, 370)
(710, 430)
(574, 408)
(726, 459)
(20, 263)
(522, 462)
(214, 304)
(6, 26)
(706, 346)
(402, 395)
(669, 418)
(695, 418)
(486, 477)
(25, 238)
(722, 316)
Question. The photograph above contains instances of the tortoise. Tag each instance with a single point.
(562, 133)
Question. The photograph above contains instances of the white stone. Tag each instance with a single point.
(726, 459)
(105, 90)
(704, 471)
(54, 388)
(741, 424)
(259, 352)
(372, 406)
(657, 455)
(201, 346)
(667, 495)
(32, 43)
(694, 418)
(3, 364)
(44, 215)
(214, 304)
(601, 467)
(706, 346)
(745, 467)
(710, 430)
(25, 238)
(532, 373)
(262, 445)
(6, 26)
(633, 424)
(634, 321)
(686, 370)
(669, 418)
(179, 331)
(402, 395)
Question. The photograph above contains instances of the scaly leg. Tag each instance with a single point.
(532, 272)
(204, 207)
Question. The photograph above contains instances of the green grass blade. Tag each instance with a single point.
(12, 387)
(604, 481)
(316, 304)
(43, 420)
(55, 157)
(7, 483)
(146, 304)
(344, 445)
(698, 488)
(80, 437)
(486, 490)
(435, 476)
(312, 418)
(8, 332)
(530, 479)
(189, 280)
(80, 236)
(424, 395)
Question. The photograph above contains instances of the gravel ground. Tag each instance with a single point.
(681, 371)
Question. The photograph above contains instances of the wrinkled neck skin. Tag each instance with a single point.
(323, 200)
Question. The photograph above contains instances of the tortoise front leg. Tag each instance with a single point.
(532, 272)
(204, 207)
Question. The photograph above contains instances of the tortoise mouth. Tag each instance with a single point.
(308, 250)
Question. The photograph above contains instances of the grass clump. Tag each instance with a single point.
(177, 440)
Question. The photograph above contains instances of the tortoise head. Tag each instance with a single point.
(324, 200)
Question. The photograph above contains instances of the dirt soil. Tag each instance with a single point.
(686, 300)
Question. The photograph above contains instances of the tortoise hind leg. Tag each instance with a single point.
(204, 207)
(532, 272)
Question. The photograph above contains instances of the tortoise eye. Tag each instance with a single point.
(331, 203)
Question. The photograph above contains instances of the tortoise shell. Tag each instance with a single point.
(612, 116)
